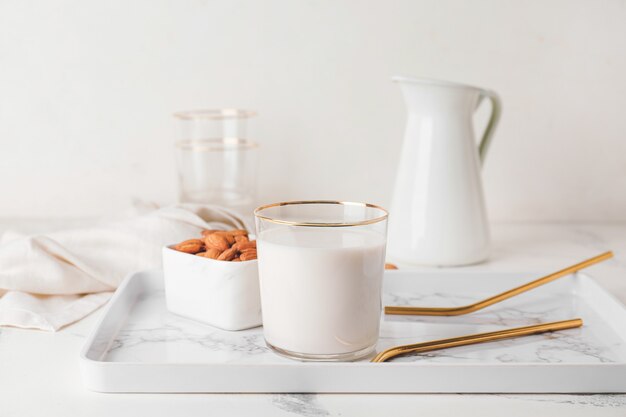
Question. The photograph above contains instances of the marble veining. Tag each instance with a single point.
(529, 247)
(585, 400)
(152, 334)
(305, 405)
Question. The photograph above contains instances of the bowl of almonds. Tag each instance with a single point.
(214, 279)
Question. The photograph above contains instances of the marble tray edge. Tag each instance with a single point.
(102, 376)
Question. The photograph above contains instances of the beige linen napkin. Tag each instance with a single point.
(47, 282)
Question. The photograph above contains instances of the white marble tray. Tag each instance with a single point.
(140, 347)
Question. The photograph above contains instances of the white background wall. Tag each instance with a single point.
(87, 89)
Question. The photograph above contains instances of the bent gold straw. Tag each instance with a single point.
(470, 308)
(476, 338)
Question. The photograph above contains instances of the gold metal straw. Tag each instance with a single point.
(458, 311)
(476, 338)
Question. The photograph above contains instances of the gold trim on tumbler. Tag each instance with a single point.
(315, 224)
(211, 145)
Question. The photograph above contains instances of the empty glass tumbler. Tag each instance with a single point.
(217, 164)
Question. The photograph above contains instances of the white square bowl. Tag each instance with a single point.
(220, 293)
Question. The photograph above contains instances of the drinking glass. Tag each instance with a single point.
(321, 265)
(216, 163)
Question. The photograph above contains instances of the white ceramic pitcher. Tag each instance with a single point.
(438, 214)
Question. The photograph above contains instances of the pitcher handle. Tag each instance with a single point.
(496, 110)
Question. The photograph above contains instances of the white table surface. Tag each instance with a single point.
(39, 371)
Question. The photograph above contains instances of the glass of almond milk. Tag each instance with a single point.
(321, 266)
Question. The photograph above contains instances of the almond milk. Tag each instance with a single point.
(321, 291)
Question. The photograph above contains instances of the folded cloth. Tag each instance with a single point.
(47, 282)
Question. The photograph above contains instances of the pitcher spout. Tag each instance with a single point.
(426, 95)
(430, 81)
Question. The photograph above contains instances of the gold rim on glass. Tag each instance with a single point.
(258, 210)
(215, 114)
(210, 145)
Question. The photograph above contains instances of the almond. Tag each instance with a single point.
(217, 241)
(239, 232)
(390, 266)
(245, 245)
(192, 246)
(248, 256)
(210, 253)
(228, 255)
(227, 235)
(241, 238)
(207, 232)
